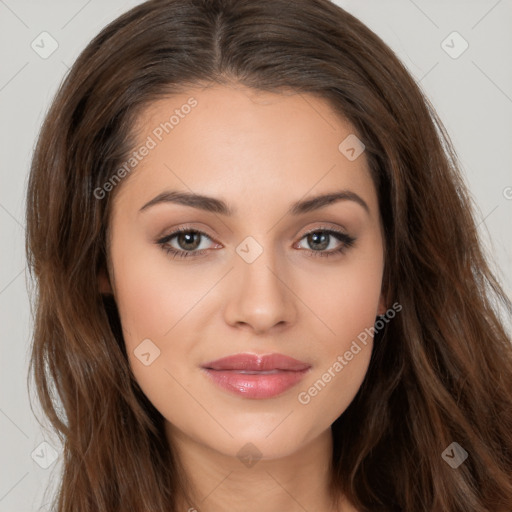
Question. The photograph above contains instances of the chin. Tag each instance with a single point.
(264, 443)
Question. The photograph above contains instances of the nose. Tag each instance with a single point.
(261, 297)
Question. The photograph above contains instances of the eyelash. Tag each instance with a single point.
(347, 242)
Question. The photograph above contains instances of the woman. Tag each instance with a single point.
(260, 281)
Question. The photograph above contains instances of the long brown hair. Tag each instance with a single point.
(440, 372)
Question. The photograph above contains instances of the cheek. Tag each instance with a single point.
(153, 294)
(342, 353)
(346, 308)
(153, 301)
(344, 302)
(159, 302)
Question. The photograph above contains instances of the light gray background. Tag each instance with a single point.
(472, 94)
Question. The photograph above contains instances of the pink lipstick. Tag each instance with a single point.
(256, 376)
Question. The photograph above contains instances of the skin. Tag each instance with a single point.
(259, 152)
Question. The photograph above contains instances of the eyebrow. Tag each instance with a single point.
(214, 205)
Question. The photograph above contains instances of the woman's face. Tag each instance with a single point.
(271, 271)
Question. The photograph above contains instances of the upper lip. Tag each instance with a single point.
(255, 362)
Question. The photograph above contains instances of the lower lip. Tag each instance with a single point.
(266, 385)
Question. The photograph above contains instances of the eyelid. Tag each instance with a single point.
(345, 240)
(186, 228)
(327, 226)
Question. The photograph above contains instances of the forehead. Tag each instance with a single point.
(225, 140)
(238, 111)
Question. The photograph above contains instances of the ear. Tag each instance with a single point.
(383, 304)
(104, 282)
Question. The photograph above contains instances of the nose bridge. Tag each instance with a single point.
(260, 295)
(258, 265)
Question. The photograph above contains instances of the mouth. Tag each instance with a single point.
(256, 376)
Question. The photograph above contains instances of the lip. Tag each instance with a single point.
(256, 376)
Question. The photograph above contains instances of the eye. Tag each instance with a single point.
(189, 241)
(321, 239)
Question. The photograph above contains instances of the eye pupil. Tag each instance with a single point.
(185, 239)
(319, 236)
